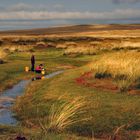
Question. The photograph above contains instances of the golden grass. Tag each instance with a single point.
(66, 45)
(18, 48)
(63, 114)
(123, 67)
(107, 30)
(81, 50)
(94, 47)
(41, 43)
(126, 63)
(2, 54)
(130, 44)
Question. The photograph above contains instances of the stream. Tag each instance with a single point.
(8, 97)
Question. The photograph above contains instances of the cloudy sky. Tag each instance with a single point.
(22, 14)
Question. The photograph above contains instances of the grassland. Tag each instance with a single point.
(13, 68)
(122, 67)
(77, 104)
(112, 30)
(106, 111)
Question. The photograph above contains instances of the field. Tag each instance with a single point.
(96, 97)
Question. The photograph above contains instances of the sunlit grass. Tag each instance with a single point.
(96, 47)
(17, 48)
(123, 67)
(52, 101)
(67, 114)
(44, 106)
(2, 54)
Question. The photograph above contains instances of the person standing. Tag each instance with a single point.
(32, 63)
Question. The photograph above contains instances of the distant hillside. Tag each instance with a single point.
(72, 29)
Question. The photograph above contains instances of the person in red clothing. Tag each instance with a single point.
(39, 68)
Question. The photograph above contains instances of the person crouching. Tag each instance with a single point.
(39, 68)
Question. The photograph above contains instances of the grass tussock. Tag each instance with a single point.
(66, 45)
(17, 48)
(3, 54)
(123, 67)
(81, 50)
(64, 114)
(95, 47)
(130, 44)
(10, 49)
(67, 113)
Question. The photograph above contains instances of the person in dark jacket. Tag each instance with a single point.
(32, 63)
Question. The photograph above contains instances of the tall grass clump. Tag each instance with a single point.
(123, 84)
(130, 44)
(3, 54)
(64, 114)
(85, 50)
(17, 48)
(89, 48)
(122, 67)
(95, 47)
(66, 45)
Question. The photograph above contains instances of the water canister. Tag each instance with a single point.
(43, 72)
(26, 69)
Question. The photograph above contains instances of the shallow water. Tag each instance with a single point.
(54, 74)
(7, 99)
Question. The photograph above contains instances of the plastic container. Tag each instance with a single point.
(43, 72)
(27, 69)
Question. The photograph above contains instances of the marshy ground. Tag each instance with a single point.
(98, 95)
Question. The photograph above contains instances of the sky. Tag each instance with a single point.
(25, 14)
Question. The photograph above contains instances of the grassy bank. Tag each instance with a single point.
(106, 111)
(60, 108)
(13, 69)
(9, 132)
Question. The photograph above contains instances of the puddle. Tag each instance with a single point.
(8, 97)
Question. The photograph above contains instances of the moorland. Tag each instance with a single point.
(96, 97)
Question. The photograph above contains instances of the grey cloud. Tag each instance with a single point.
(19, 7)
(33, 7)
(58, 6)
(125, 1)
(44, 15)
